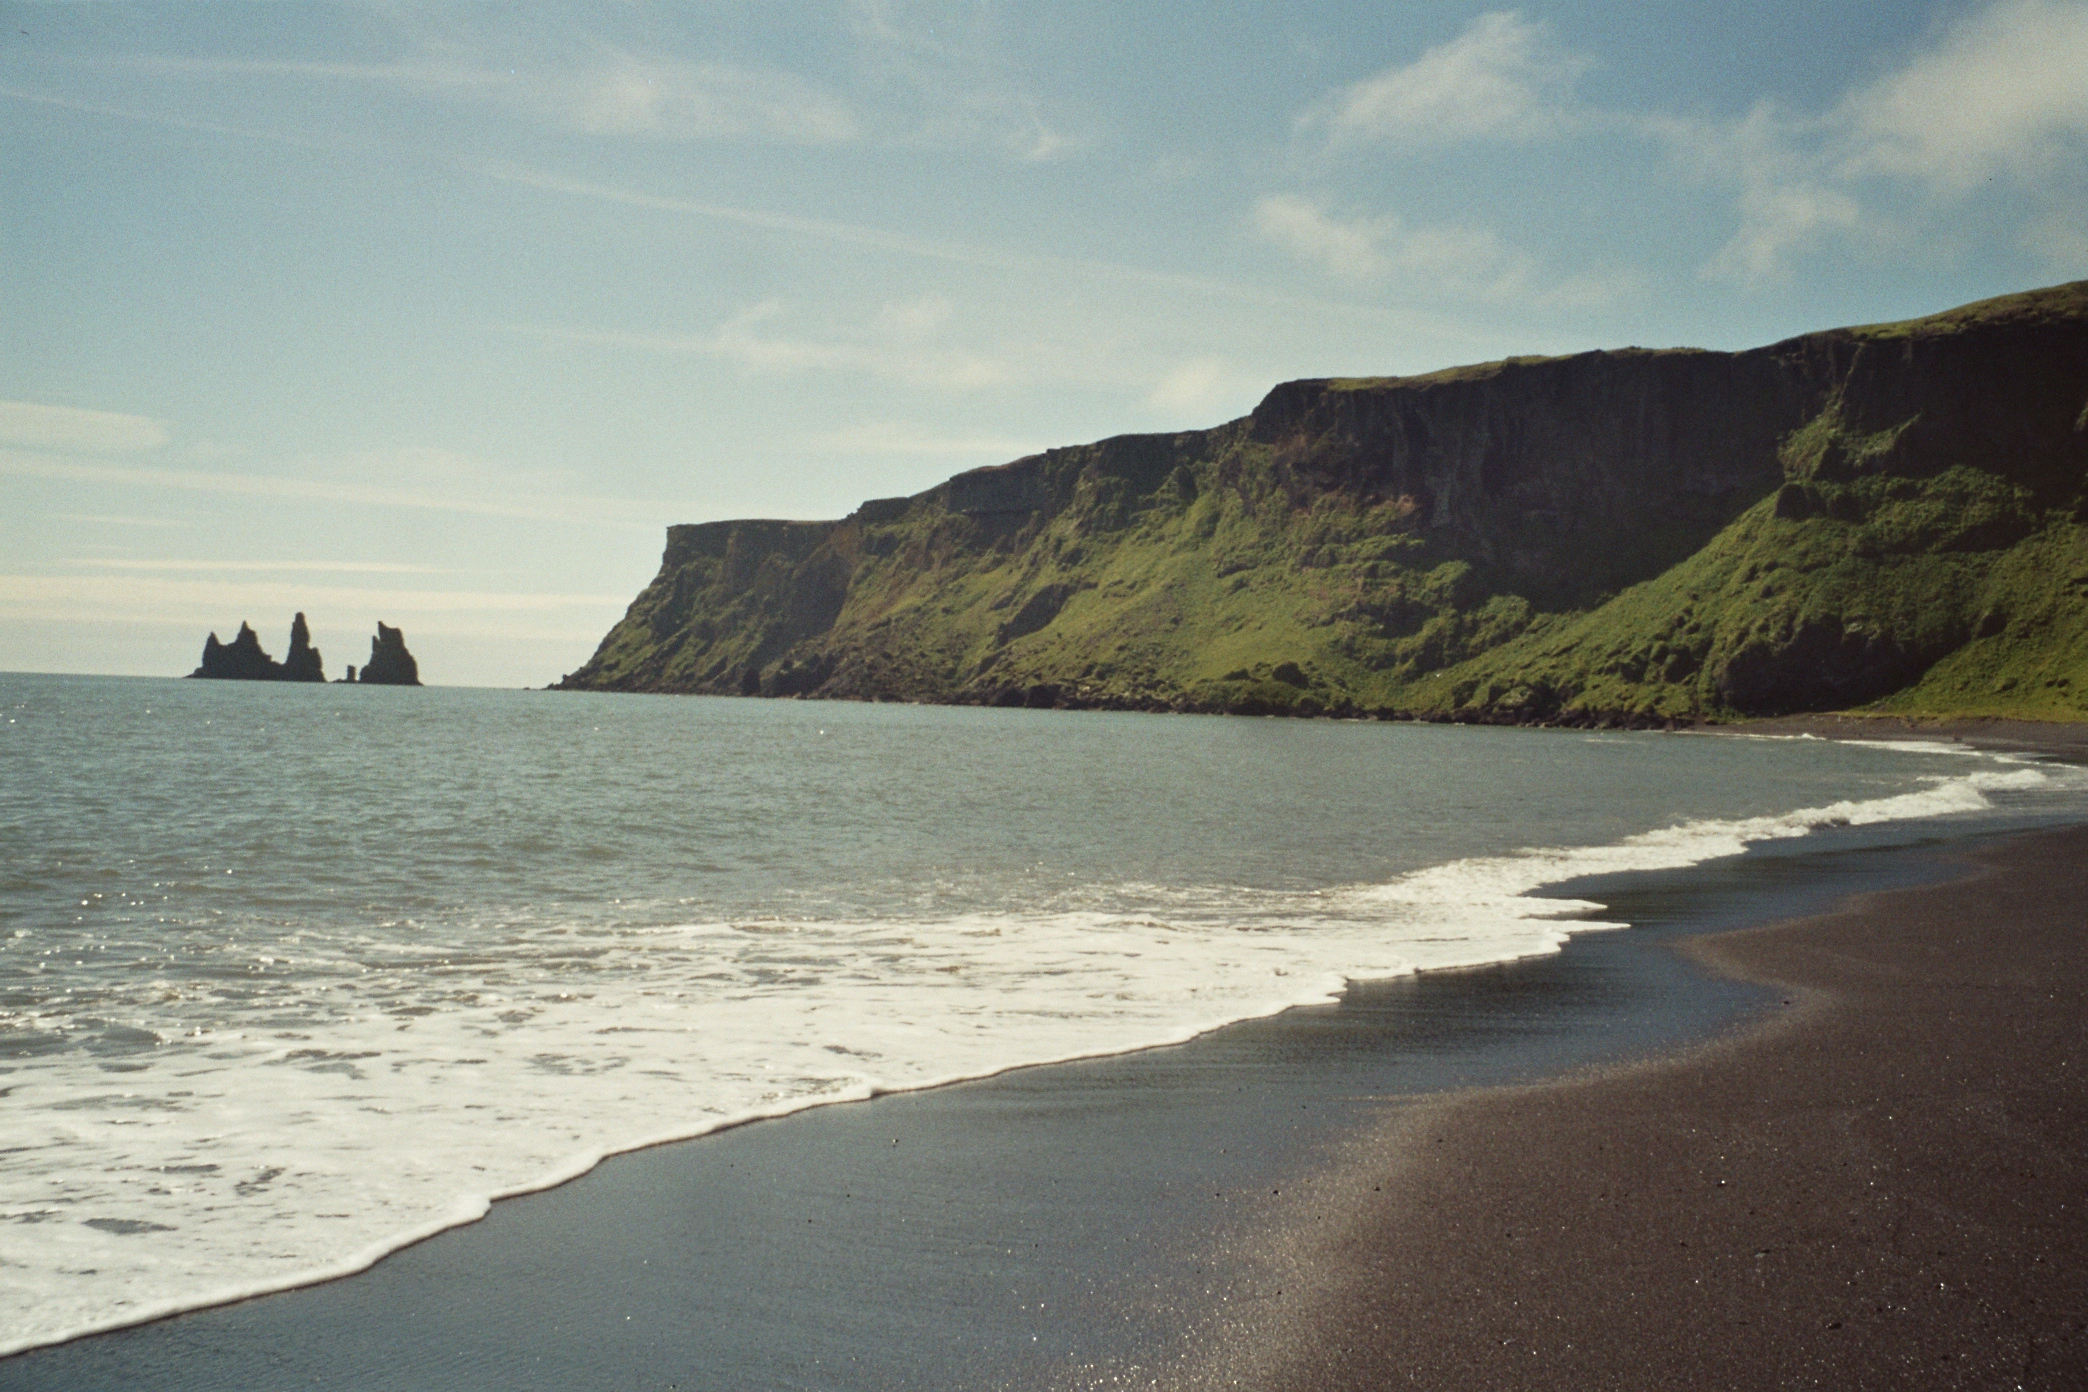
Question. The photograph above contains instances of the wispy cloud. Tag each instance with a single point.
(934, 79)
(1352, 247)
(2000, 94)
(580, 510)
(967, 254)
(220, 605)
(903, 347)
(761, 339)
(2004, 92)
(625, 93)
(1785, 198)
(299, 140)
(428, 74)
(1203, 385)
(1464, 261)
(266, 567)
(825, 229)
(949, 79)
(1503, 78)
(830, 230)
(104, 519)
(1997, 94)
(95, 590)
(564, 80)
(31, 425)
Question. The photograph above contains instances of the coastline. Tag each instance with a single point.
(2059, 739)
(1838, 791)
(1087, 1188)
(1881, 1184)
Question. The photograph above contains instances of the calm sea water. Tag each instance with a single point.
(291, 975)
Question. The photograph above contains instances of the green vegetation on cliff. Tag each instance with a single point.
(1891, 514)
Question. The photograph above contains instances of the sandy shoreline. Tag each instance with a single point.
(2058, 739)
(1886, 1185)
(1082, 1224)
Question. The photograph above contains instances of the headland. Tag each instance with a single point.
(1891, 516)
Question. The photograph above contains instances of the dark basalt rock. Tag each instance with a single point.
(243, 659)
(1623, 538)
(1815, 662)
(390, 664)
(303, 662)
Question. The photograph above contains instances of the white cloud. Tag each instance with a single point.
(29, 425)
(1304, 228)
(2000, 95)
(1776, 217)
(2004, 92)
(1201, 386)
(1460, 261)
(1503, 78)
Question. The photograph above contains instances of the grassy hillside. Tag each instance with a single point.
(1889, 515)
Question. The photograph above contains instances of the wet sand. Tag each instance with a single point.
(2060, 739)
(1052, 1225)
(1320, 1199)
(1883, 1184)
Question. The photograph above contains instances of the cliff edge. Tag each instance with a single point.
(1888, 514)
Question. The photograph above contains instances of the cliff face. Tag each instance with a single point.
(1631, 535)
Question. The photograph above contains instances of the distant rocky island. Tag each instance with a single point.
(243, 659)
(1892, 517)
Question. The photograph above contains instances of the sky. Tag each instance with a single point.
(440, 313)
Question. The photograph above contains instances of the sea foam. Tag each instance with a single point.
(381, 1090)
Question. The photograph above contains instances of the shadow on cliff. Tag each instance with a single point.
(1639, 536)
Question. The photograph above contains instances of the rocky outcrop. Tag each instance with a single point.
(303, 662)
(1638, 536)
(243, 659)
(390, 664)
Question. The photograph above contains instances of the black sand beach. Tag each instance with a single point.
(1883, 1185)
(1269, 1205)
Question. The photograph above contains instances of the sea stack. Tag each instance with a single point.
(390, 664)
(243, 659)
(303, 662)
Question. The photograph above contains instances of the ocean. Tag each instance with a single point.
(293, 976)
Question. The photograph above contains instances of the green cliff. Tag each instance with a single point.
(1895, 514)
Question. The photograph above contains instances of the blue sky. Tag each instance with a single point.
(440, 313)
